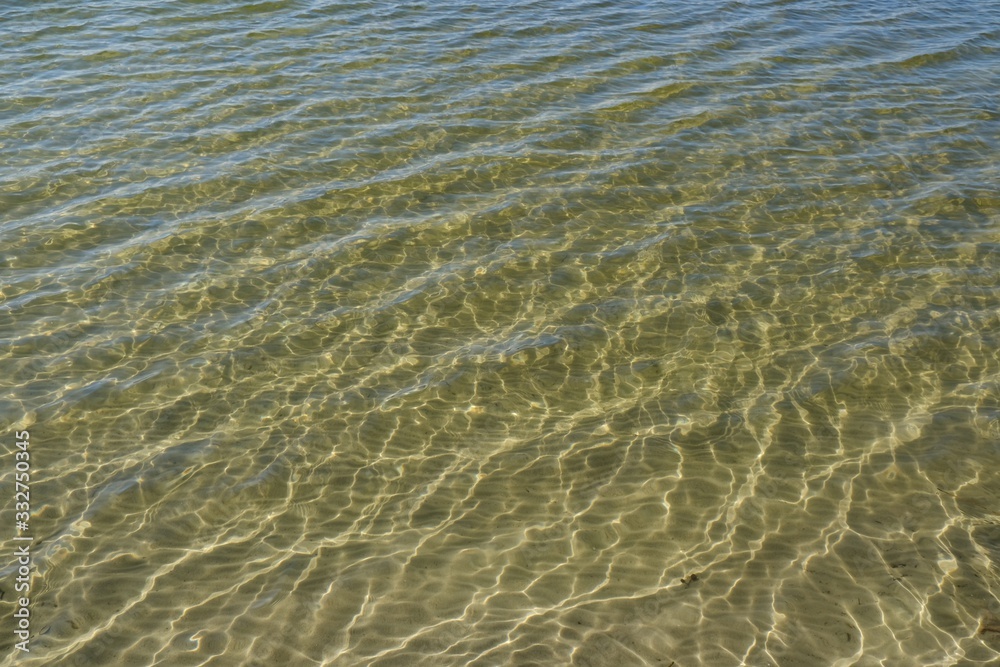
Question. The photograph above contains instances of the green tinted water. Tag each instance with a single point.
(560, 333)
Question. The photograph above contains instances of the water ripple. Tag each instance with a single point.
(537, 333)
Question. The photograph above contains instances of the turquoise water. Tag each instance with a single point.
(549, 333)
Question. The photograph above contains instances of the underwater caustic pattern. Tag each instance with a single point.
(543, 333)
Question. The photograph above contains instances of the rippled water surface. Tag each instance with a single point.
(536, 333)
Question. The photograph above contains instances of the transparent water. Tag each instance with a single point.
(549, 333)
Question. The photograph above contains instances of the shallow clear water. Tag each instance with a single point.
(554, 333)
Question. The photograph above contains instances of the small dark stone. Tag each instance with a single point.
(688, 580)
(989, 624)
